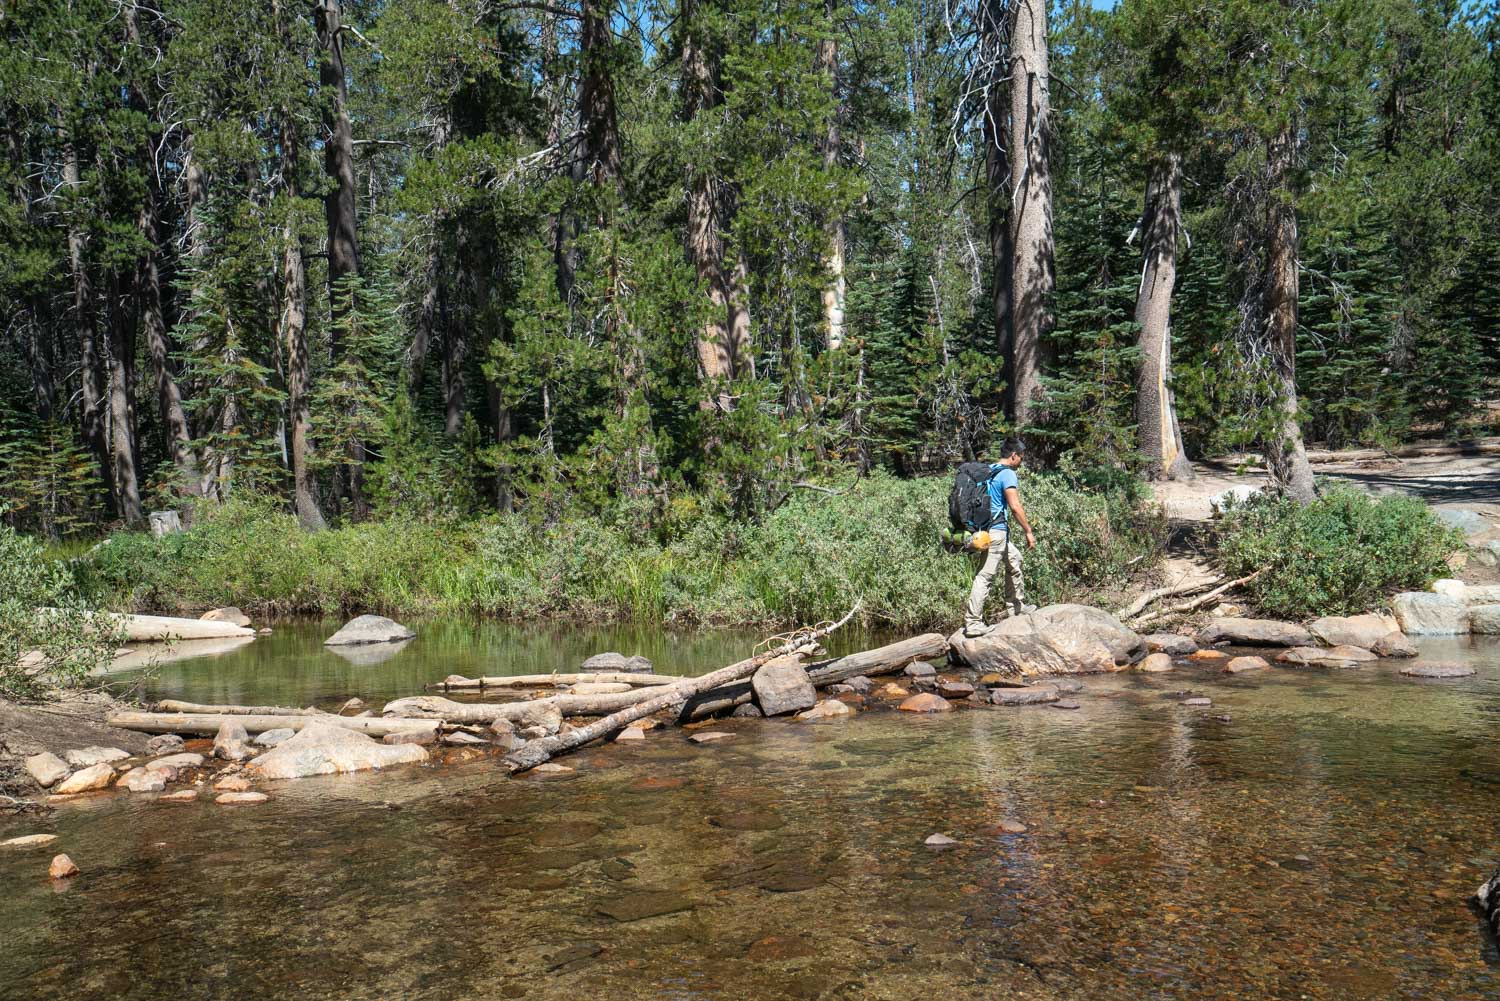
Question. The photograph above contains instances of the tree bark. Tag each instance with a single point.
(835, 292)
(91, 395)
(120, 366)
(1155, 405)
(293, 337)
(997, 171)
(338, 149)
(1033, 277)
(1286, 456)
(207, 724)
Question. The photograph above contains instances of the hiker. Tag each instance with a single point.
(1005, 505)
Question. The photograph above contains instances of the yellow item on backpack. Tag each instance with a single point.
(980, 541)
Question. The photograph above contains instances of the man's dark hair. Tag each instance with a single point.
(1013, 446)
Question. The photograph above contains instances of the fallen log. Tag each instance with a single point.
(459, 683)
(437, 707)
(163, 629)
(206, 725)
(882, 660)
(1199, 602)
(174, 706)
(535, 752)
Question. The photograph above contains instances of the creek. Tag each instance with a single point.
(1319, 843)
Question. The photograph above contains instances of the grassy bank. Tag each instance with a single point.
(809, 560)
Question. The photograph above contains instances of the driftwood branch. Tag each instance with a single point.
(1138, 605)
(1199, 602)
(174, 706)
(535, 752)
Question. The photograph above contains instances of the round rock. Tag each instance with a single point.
(1438, 671)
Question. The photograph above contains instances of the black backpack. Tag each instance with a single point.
(969, 500)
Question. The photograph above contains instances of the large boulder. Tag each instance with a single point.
(1351, 630)
(1467, 521)
(321, 749)
(1484, 619)
(1421, 613)
(1028, 646)
(1482, 594)
(781, 686)
(1254, 632)
(369, 629)
(1125, 645)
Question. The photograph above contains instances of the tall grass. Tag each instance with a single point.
(811, 559)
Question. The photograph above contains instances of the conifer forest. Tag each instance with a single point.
(450, 258)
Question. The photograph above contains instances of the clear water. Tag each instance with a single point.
(1320, 844)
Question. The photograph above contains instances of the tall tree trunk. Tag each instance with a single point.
(741, 350)
(997, 168)
(835, 292)
(293, 337)
(455, 350)
(338, 148)
(91, 395)
(561, 225)
(120, 364)
(1033, 276)
(705, 242)
(1286, 456)
(1155, 406)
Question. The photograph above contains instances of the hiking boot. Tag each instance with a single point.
(977, 629)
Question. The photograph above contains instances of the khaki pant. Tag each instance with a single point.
(1001, 555)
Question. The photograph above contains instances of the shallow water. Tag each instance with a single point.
(1320, 844)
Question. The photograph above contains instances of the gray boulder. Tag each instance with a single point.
(144, 780)
(1421, 613)
(1170, 643)
(781, 686)
(920, 669)
(545, 718)
(612, 661)
(1466, 521)
(270, 738)
(1487, 554)
(369, 629)
(1482, 594)
(164, 523)
(164, 743)
(321, 749)
(860, 684)
(232, 743)
(1484, 619)
(83, 757)
(47, 769)
(1350, 630)
(1037, 696)
(1125, 645)
(1254, 632)
(1027, 646)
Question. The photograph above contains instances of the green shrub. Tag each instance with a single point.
(810, 559)
(70, 643)
(1343, 554)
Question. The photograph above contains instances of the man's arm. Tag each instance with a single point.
(1013, 501)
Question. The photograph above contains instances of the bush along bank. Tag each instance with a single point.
(1345, 553)
(807, 561)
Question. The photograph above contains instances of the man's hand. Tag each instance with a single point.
(1030, 540)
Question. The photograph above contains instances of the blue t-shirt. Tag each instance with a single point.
(999, 510)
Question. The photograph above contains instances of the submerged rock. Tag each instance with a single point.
(1254, 632)
(629, 734)
(321, 749)
(1334, 657)
(1422, 614)
(710, 736)
(1239, 665)
(180, 796)
(1170, 643)
(186, 759)
(1438, 671)
(62, 867)
(645, 904)
(939, 841)
(29, 841)
(1023, 696)
(1208, 655)
(1200, 700)
(241, 798)
(861, 684)
(47, 769)
(781, 686)
(955, 689)
(369, 629)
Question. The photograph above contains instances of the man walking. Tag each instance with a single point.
(1003, 556)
